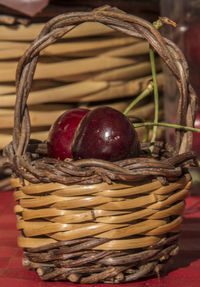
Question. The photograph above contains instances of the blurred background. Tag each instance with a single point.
(92, 65)
(186, 14)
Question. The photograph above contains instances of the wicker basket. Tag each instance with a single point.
(92, 221)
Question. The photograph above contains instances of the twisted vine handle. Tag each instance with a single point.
(128, 24)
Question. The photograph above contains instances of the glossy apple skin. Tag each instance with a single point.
(62, 132)
(196, 136)
(107, 134)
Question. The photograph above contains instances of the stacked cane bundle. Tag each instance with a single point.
(90, 66)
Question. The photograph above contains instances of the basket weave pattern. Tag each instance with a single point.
(92, 221)
(99, 232)
(111, 231)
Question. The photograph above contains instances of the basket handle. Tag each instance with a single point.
(128, 24)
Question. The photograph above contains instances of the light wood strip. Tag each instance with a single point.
(114, 190)
(65, 48)
(140, 67)
(88, 216)
(20, 195)
(78, 192)
(110, 192)
(42, 188)
(176, 209)
(160, 197)
(126, 73)
(121, 90)
(134, 215)
(129, 203)
(15, 182)
(179, 184)
(136, 49)
(66, 216)
(26, 242)
(66, 93)
(29, 33)
(166, 228)
(84, 91)
(65, 68)
(7, 138)
(63, 93)
(12, 53)
(63, 202)
(30, 188)
(47, 117)
(82, 232)
(6, 89)
(153, 186)
(46, 187)
(38, 118)
(180, 195)
(67, 231)
(41, 213)
(132, 229)
(10, 50)
(18, 208)
(40, 201)
(128, 191)
(78, 202)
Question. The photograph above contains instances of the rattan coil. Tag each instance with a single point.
(92, 221)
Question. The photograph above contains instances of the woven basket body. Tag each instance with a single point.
(102, 232)
(92, 221)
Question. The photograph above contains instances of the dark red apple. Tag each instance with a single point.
(62, 132)
(105, 133)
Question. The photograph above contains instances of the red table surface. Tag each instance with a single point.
(184, 271)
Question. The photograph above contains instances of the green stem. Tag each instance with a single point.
(138, 125)
(141, 96)
(157, 24)
(156, 100)
(146, 136)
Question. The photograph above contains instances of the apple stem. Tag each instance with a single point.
(138, 125)
(157, 24)
(146, 137)
(163, 20)
(156, 97)
(152, 86)
(141, 96)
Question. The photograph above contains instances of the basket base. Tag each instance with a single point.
(73, 261)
